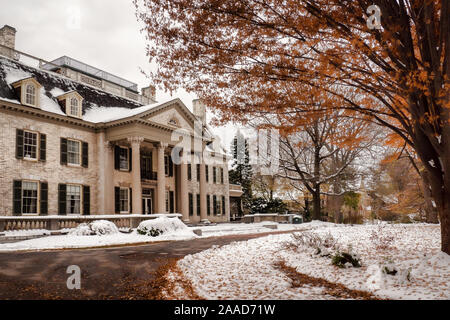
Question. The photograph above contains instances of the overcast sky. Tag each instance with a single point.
(101, 33)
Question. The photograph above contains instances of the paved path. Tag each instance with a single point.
(105, 273)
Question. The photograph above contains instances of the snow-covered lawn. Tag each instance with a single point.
(77, 238)
(246, 270)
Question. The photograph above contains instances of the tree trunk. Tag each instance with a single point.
(430, 210)
(444, 216)
(316, 204)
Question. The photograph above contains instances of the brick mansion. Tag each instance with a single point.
(76, 140)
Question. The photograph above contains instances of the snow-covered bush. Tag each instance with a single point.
(321, 244)
(98, 227)
(345, 260)
(162, 225)
(387, 274)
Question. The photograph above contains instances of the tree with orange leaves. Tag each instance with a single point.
(247, 56)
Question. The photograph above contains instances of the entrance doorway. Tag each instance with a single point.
(147, 206)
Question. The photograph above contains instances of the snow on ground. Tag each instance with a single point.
(223, 229)
(77, 237)
(245, 270)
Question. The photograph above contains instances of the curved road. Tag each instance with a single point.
(109, 273)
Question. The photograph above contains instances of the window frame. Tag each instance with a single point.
(128, 158)
(38, 197)
(80, 153)
(167, 195)
(127, 200)
(166, 165)
(69, 106)
(26, 94)
(37, 145)
(80, 199)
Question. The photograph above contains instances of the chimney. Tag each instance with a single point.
(8, 39)
(199, 110)
(150, 93)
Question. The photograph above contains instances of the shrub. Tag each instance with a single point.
(153, 232)
(345, 259)
(98, 227)
(321, 244)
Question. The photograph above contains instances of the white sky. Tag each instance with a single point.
(101, 33)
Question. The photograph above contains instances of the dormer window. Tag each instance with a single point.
(72, 103)
(28, 91)
(74, 107)
(30, 94)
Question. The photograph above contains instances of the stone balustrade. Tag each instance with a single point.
(61, 222)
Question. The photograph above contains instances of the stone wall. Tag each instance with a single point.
(51, 170)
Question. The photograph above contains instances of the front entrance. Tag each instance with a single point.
(147, 207)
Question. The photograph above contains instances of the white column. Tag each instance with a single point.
(101, 180)
(184, 190)
(108, 188)
(161, 184)
(203, 212)
(136, 174)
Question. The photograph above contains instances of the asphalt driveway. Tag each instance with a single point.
(110, 273)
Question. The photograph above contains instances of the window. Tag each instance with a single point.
(198, 204)
(189, 171)
(191, 204)
(123, 159)
(167, 201)
(208, 204)
(215, 205)
(198, 172)
(166, 165)
(214, 175)
(73, 199)
(30, 145)
(124, 200)
(29, 197)
(74, 107)
(173, 122)
(207, 173)
(73, 152)
(30, 94)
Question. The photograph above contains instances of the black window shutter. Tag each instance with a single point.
(172, 200)
(191, 205)
(86, 200)
(207, 173)
(130, 159)
(221, 174)
(117, 199)
(214, 205)
(170, 167)
(62, 199)
(223, 205)
(116, 157)
(17, 197)
(19, 144)
(85, 154)
(42, 147)
(44, 199)
(63, 151)
(130, 195)
(198, 204)
(208, 204)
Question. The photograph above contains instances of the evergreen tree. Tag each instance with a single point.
(241, 170)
